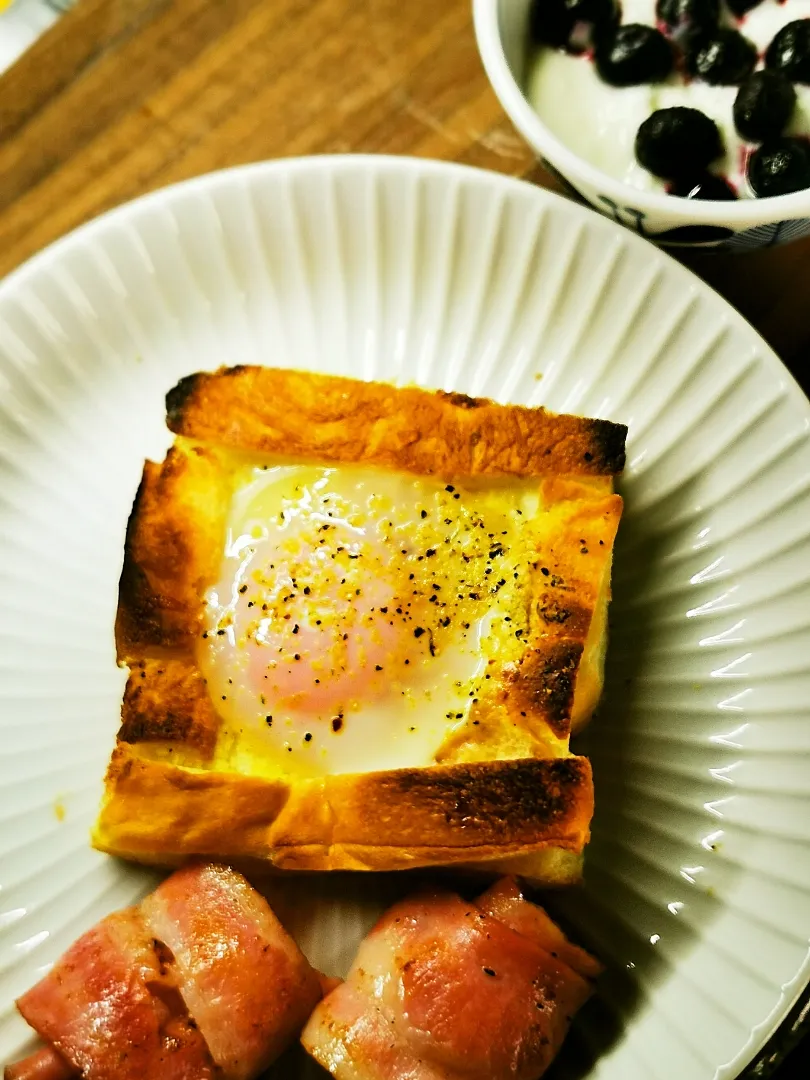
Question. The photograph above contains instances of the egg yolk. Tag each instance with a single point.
(313, 617)
(347, 625)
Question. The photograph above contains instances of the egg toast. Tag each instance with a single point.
(361, 622)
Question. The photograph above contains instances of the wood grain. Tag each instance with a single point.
(124, 96)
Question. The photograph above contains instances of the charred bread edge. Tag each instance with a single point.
(172, 550)
(454, 814)
(328, 417)
(557, 671)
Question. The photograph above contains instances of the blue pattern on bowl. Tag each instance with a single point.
(715, 237)
(778, 232)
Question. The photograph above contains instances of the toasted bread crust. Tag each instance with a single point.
(557, 681)
(367, 821)
(323, 417)
(172, 550)
(166, 702)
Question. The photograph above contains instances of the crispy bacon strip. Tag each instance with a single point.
(444, 990)
(242, 977)
(505, 901)
(45, 1064)
(200, 981)
(354, 1040)
(107, 1008)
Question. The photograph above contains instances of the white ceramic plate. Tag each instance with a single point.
(698, 876)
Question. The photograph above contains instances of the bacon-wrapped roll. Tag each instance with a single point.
(447, 990)
(199, 981)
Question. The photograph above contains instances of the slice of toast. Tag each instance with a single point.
(500, 789)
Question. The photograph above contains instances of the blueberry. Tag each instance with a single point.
(705, 186)
(596, 12)
(742, 7)
(678, 142)
(763, 105)
(633, 54)
(680, 15)
(723, 57)
(779, 166)
(552, 22)
(789, 52)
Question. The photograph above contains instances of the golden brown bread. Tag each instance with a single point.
(389, 820)
(172, 793)
(172, 550)
(299, 414)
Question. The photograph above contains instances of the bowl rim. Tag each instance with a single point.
(741, 214)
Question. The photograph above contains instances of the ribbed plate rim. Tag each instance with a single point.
(761, 1054)
(331, 162)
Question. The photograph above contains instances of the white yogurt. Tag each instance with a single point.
(599, 122)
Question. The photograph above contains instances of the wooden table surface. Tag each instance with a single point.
(124, 96)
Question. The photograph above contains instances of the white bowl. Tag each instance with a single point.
(697, 891)
(501, 28)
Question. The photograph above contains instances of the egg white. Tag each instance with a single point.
(453, 557)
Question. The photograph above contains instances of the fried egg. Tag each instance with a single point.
(357, 612)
